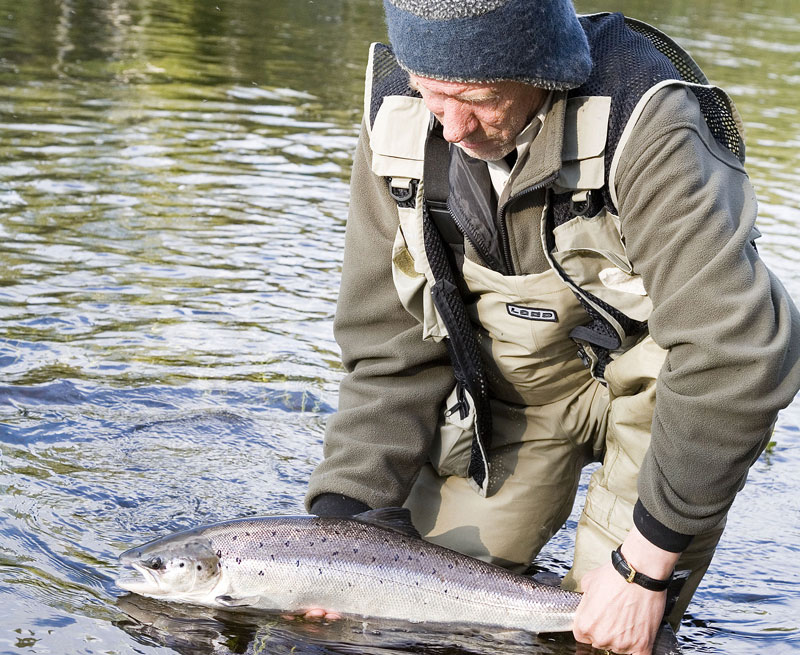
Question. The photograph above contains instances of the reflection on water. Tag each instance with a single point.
(193, 630)
(173, 188)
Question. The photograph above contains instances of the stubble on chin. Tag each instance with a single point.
(491, 152)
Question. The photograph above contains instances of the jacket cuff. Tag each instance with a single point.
(657, 533)
(337, 505)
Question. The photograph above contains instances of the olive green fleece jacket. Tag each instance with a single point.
(731, 332)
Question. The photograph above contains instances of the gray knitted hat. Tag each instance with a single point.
(539, 42)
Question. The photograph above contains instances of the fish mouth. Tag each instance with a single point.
(137, 579)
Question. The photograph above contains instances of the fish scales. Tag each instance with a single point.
(351, 566)
(416, 579)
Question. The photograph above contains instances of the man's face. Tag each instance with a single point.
(483, 119)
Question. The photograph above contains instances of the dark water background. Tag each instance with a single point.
(173, 188)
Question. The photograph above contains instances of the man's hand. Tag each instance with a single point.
(619, 616)
(314, 614)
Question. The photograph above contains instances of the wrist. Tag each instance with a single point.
(632, 576)
(647, 558)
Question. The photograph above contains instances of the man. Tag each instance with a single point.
(550, 261)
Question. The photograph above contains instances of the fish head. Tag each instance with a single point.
(179, 566)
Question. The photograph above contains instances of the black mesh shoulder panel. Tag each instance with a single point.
(387, 79)
(626, 66)
(630, 57)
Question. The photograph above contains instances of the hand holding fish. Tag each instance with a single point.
(619, 616)
(372, 565)
(317, 613)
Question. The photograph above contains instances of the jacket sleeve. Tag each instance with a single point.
(390, 399)
(731, 331)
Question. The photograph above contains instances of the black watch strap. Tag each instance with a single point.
(632, 575)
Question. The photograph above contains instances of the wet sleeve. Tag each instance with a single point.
(730, 329)
(390, 398)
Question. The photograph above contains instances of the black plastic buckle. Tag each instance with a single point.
(401, 194)
(580, 209)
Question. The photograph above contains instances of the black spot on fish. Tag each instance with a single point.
(374, 558)
(286, 543)
(396, 557)
(310, 543)
(199, 567)
(355, 550)
(273, 557)
(335, 552)
(449, 566)
(297, 563)
(246, 534)
(235, 537)
(324, 539)
(219, 553)
(260, 544)
(273, 533)
(261, 573)
(181, 564)
(410, 558)
(238, 560)
(320, 571)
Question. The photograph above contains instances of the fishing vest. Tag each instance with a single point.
(580, 234)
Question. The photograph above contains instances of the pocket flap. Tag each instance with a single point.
(585, 127)
(401, 127)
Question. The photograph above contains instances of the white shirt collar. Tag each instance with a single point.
(500, 171)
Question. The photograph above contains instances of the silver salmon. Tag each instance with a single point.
(373, 565)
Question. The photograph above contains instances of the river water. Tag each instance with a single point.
(173, 190)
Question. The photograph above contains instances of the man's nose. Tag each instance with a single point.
(458, 121)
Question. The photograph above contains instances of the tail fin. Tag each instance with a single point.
(679, 579)
(666, 642)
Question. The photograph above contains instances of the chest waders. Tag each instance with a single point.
(633, 61)
(582, 242)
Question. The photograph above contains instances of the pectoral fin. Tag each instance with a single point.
(236, 601)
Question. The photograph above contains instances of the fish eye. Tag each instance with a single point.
(155, 563)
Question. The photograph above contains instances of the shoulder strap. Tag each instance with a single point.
(437, 186)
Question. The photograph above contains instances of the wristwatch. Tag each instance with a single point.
(632, 575)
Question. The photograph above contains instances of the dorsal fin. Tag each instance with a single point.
(391, 518)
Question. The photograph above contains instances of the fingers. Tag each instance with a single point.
(319, 614)
(616, 616)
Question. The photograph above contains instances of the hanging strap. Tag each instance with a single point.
(462, 345)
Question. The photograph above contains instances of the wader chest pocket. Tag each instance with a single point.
(452, 447)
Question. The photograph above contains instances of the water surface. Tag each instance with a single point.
(173, 190)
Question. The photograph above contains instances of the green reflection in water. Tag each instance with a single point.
(172, 197)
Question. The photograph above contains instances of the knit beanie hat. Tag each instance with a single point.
(539, 42)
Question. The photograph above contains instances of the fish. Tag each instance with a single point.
(373, 565)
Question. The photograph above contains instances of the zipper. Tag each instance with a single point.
(477, 244)
(501, 220)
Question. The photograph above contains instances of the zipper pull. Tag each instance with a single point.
(461, 406)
